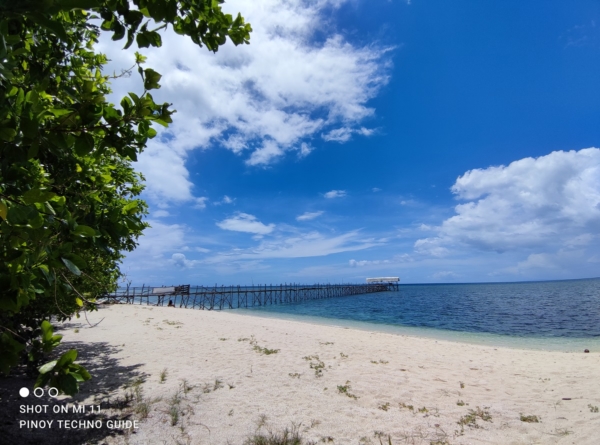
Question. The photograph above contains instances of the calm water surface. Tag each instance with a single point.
(548, 315)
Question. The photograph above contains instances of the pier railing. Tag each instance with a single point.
(232, 297)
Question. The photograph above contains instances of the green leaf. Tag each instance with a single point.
(79, 302)
(72, 267)
(47, 330)
(84, 144)
(7, 134)
(66, 359)
(48, 367)
(37, 195)
(84, 231)
(151, 79)
(67, 384)
(3, 210)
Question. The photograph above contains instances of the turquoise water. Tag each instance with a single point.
(556, 315)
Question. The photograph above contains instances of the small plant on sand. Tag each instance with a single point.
(462, 385)
(217, 385)
(345, 389)
(562, 432)
(162, 377)
(174, 409)
(384, 406)
(294, 375)
(342, 355)
(185, 386)
(286, 437)
(423, 410)
(460, 403)
(265, 351)
(530, 419)
(408, 407)
(326, 343)
(316, 364)
(593, 409)
(470, 419)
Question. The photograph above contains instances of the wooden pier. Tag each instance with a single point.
(232, 297)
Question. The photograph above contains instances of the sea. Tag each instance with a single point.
(541, 315)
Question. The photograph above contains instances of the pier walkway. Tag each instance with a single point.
(232, 297)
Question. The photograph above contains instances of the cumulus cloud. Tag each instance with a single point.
(307, 216)
(261, 101)
(179, 260)
(335, 194)
(243, 222)
(541, 203)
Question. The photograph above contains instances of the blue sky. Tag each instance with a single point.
(432, 140)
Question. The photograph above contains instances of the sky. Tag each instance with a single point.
(431, 140)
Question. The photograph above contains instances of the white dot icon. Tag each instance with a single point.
(23, 392)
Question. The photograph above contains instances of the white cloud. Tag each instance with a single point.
(344, 134)
(307, 216)
(543, 204)
(288, 86)
(397, 259)
(243, 222)
(335, 194)
(226, 200)
(312, 244)
(179, 259)
(160, 213)
(375, 189)
(200, 203)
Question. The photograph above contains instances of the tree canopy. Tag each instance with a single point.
(69, 195)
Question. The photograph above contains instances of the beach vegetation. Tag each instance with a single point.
(342, 355)
(593, 409)
(470, 419)
(408, 407)
(345, 389)
(384, 406)
(561, 432)
(460, 403)
(265, 351)
(294, 375)
(289, 436)
(69, 195)
(316, 364)
(529, 419)
(462, 385)
(162, 377)
(185, 386)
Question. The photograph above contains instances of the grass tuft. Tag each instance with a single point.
(530, 419)
(470, 419)
(162, 378)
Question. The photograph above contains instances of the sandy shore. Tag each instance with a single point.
(337, 385)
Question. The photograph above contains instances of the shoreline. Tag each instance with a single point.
(534, 343)
(229, 375)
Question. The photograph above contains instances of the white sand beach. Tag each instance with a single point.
(337, 385)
